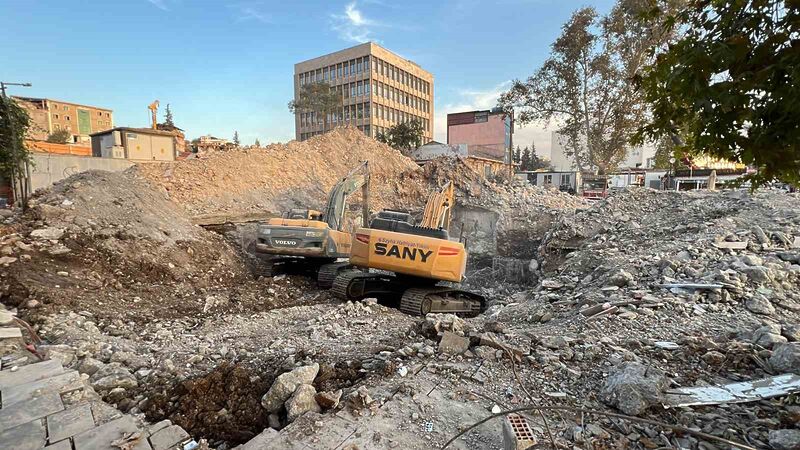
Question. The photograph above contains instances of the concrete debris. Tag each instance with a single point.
(786, 358)
(748, 391)
(328, 400)
(301, 402)
(453, 343)
(286, 384)
(633, 388)
(784, 439)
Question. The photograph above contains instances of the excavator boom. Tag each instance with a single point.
(438, 208)
(337, 198)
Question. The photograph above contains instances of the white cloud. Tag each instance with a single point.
(160, 4)
(353, 25)
(251, 11)
(472, 100)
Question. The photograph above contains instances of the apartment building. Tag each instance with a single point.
(48, 116)
(486, 133)
(379, 89)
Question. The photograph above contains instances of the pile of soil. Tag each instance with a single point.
(283, 176)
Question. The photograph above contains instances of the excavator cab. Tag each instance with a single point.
(304, 214)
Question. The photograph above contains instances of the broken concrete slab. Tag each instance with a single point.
(29, 373)
(6, 318)
(60, 445)
(61, 384)
(28, 436)
(10, 333)
(263, 440)
(70, 422)
(731, 245)
(453, 344)
(24, 412)
(168, 437)
(633, 387)
(748, 391)
(158, 426)
(101, 437)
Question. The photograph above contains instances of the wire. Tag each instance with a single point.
(602, 413)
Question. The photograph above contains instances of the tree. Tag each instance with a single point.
(517, 155)
(525, 159)
(403, 136)
(168, 120)
(731, 83)
(15, 158)
(586, 85)
(236, 141)
(319, 99)
(59, 137)
(257, 144)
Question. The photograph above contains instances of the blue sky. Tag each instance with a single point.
(227, 65)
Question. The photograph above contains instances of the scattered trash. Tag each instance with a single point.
(748, 391)
(427, 426)
(402, 371)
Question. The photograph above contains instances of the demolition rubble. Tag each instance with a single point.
(647, 305)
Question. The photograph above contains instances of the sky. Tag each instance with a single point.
(227, 65)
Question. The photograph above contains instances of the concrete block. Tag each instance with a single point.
(29, 373)
(66, 382)
(453, 343)
(6, 318)
(60, 445)
(24, 412)
(28, 436)
(158, 426)
(69, 422)
(168, 437)
(262, 440)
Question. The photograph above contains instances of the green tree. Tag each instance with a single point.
(586, 85)
(517, 155)
(168, 119)
(403, 136)
(525, 159)
(236, 140)
(15, 158)
(730, 83)
(59, 137)
(318, 98)
(257, 143)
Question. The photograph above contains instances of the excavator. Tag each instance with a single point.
(410, 262)
(311, 241)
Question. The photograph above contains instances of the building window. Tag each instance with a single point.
(352, 67)
(548, 179)
(564, 179)
(66, 117)
(55, 115)
(366, 110)
(359, 89)
(366, 64)
(482, 116)
(99, 113)
(65, 108)
(339, 70)
(367, 130)
(366, 88)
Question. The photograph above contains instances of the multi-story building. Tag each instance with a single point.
(379, 89)
(48, 116)
(487, 134)
(561, 159)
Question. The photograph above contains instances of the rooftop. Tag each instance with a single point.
(38, 99)
(135, 130)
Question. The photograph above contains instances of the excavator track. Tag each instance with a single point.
(341, 285)
(328, 272)
(440, 299)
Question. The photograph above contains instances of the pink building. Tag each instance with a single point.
(487, 134)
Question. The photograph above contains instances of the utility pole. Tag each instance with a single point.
(24, 188)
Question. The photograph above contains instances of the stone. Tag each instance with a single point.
(485, 352)
(713, 358)
(168, 437)
(791, 332)
(633, 387)
(769, 340)
(69, 422)
(620, 279)
(28, 436)
(5, 260)
(30, 373)
(24, 412)
(301, 402)
(784, 439)
(554, 342)
(90, 366)
(752, 260)
(111, 376)
(359, 398)
(102, 436)
(10, 333)
(50, 233)
(285, 385)
(437, 323)
(761, 236)
(758, 274)
(453, 344)
(327, 399)
(759, 305)
(786, 358)
(274, 421)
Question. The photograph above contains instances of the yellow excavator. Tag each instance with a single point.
(307, 240)
(410, 261)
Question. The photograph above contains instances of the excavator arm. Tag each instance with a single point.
(439, 207)
(337, 199)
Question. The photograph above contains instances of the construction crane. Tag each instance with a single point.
(410, 261)
(312, 241)
(154, 113)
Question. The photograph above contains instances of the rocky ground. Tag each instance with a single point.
(609, 307)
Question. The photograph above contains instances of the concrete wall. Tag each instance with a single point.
(49, 168)
(435, 150)
(490, 136)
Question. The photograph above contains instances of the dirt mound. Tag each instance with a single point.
(282, 176)
(110, 243)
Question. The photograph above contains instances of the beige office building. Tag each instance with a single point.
(379, 89)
